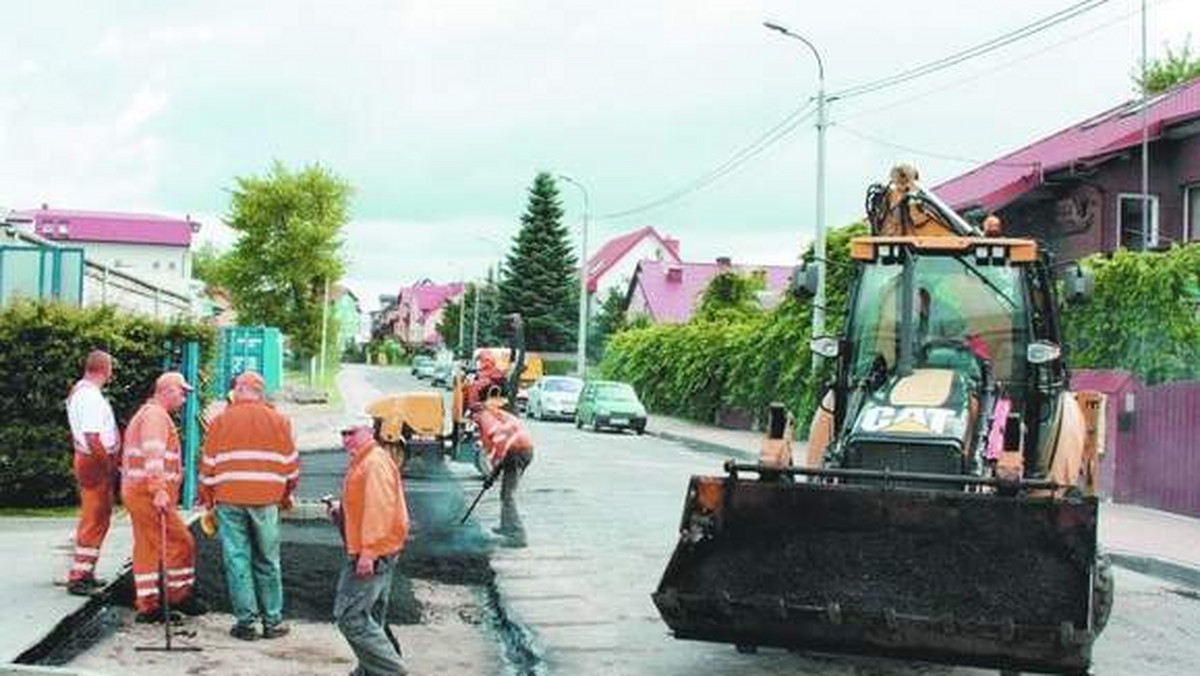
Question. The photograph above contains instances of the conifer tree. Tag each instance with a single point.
(540, 278)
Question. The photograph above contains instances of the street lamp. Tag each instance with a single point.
(581, 367)
(818, 321)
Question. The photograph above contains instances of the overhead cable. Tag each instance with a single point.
(958, 57)
(764, 141)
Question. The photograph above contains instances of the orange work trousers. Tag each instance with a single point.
(179, 551)
(94, 474)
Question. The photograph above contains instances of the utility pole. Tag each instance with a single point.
(818, 318)
(581, 342)
(1145, 144)
(462, 314)
(474, 327)
(324, 325)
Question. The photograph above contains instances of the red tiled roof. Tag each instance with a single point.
(1001, 181)
(673, 302)
(615, 249)
(109, 226)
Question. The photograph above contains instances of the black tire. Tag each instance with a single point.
(1102, 593)
(640, 430)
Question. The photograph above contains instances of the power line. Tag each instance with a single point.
(917, 151)
(974, 77)
(972, 52)
(734, 162)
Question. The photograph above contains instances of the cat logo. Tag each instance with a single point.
(909, 419)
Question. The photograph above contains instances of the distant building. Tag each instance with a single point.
(1079, 190)
(348, 313)
(613, 265)
(419, 311)
(150, 247)
(667, 292)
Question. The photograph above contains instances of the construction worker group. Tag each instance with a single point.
(248, 473)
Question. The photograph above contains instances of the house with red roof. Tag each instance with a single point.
(667, 292)
(419, 309)
(613, 265)
(1079, 190)
(148, 246)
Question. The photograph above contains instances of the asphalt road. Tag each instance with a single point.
(602, 510)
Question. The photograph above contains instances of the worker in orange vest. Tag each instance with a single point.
(374, 521)
(249, 471)
(487, 376)
(97, 445)
(151, 471)
(510, 451)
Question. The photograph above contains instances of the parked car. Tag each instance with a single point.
(443, 373)
(554, 398)
(606, 403)
(422, 366)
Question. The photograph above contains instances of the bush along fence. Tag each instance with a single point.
(1143, 317)
(734, 363)
(44, 348)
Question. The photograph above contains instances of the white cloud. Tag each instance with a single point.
(145, 106)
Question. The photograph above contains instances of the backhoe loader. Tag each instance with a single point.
(945, 509)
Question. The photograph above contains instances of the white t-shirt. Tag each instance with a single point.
(89, 411)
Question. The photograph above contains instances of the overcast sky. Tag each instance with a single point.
(440, 112)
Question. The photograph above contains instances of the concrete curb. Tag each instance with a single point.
(1163, 569)
(704, 446)
(25, 670)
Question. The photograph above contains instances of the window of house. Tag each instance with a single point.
(1191, 212)
(1129, 221)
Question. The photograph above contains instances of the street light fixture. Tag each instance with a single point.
(581, 357)
(818, 321)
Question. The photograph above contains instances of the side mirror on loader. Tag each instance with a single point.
(826, 346)
(805, 278)
(1078, 284)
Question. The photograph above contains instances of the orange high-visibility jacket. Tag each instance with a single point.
(501, 433)
(151, 460)
(249, 458)
(373, 508)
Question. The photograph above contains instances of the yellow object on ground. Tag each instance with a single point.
(424, 412)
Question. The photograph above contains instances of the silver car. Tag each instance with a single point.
(554, 398)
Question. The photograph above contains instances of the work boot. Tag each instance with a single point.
(192, 606)
(85, 586)
(245, 632)
(276, 630)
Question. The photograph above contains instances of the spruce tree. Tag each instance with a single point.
(539, 279)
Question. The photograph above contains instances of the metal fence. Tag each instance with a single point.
(1160, 467)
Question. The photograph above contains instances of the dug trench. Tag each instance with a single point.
(439, 552)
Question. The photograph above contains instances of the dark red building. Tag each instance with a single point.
(1079, 190)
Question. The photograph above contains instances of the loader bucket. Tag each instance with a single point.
(945, 576)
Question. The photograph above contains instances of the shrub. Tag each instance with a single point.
(44, 348)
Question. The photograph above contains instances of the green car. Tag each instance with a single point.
(605, 403)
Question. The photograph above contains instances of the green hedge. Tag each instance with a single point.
(44, 349)
(704, 368)
(1144, 316)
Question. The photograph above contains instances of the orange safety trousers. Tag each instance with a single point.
(148, 547)
(95, 477)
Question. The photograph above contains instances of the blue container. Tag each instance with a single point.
(249, 348)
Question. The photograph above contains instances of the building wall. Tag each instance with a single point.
(349, 321)
(170, 266)
(1095, 199)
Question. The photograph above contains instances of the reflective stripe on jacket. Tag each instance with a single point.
(249, 457)
(151, 459)
(373, 507)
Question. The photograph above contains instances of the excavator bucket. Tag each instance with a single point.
(952, 576)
